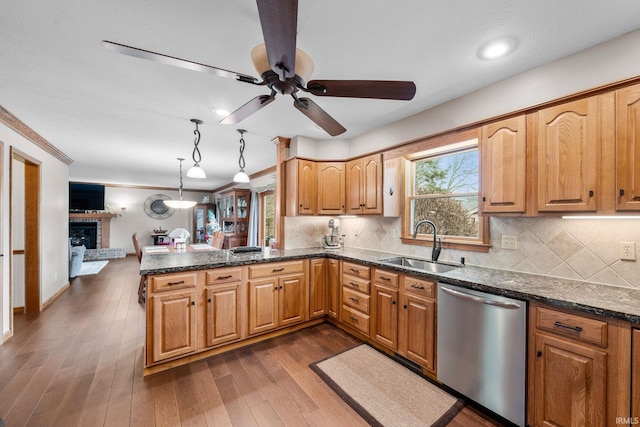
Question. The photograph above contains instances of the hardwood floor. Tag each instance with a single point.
(79, 363)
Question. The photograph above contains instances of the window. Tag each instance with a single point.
(443, 186)
(267, 217)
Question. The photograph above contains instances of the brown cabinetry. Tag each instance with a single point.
(333, 287)
(568, 155)
(417, 321)
(628, 148)
(318, 289)
(384, 308)
(202, 227)
(364, 185)
(578, 369)
(331, 188)
(635, 372)
(392, 187)
(356, 288)
(277, 295)
(172, 312)
(503, 151)
(223, 299)
(234, 208)
(301, 186)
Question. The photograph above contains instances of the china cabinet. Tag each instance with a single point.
(203, 218)
(234, 210)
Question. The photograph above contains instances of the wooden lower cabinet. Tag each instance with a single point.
(224, 309)
(174, 324)
(418, 330)
(635, 381)
(277, 301)
(318, 291)
(579, 369)
(385, 315)
(355, 294)
(333, 288)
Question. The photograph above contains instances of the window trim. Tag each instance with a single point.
(449, 144)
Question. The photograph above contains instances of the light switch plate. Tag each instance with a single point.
(510, 242)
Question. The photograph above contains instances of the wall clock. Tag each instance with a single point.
(155, 208)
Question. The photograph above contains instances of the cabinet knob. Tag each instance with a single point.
(539, 354)
(209, 300)
(590, 193)
(193, 303)
(621, 192)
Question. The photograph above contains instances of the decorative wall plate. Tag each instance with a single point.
(155, 208)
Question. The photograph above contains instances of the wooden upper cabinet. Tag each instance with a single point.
(331, 188)
(628, 148)
(364, 185)
(568, 138)
(301, 187)
(503, 151)
(392, 187)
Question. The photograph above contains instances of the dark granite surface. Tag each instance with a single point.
(609, 301)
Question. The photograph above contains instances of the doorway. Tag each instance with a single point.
(25, 229)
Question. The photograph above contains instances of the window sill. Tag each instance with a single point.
(462, 245)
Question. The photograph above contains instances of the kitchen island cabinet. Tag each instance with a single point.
(578, 368)
(224, 293)
(635, 380)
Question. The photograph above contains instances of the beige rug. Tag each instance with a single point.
(384, 392)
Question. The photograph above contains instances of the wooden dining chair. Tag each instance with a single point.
(143, 277)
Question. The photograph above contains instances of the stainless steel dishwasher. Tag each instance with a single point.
(482, 349)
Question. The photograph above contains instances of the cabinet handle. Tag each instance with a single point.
(354, 270)
(414, 286)
(279, 287)
(277, 269)
(193, 303)
(390, 191)
(175, 283)
(539, 354)
(353, 319)
(228, 276)
(404, 306)
(209, 300)
(571, 328)
(355, 285)
(356, 300)
(621, 192)
(590, 193)
(484, 199)
(385, 278)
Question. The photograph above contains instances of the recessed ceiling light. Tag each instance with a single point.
(497, 48)
(220, 112)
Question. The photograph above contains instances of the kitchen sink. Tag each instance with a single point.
(420, 264)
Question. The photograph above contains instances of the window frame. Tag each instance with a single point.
(442, 145)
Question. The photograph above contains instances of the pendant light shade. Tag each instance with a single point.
(196, 171)
(180, 204)
(241, 176)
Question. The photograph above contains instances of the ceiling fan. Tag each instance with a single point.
(284, 69)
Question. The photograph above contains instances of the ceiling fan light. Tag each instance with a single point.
(304, 63)
(196, 172)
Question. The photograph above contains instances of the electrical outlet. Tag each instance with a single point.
(628, 251)
(315, 230)
(510, 242)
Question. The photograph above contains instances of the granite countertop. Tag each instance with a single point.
(604, 300)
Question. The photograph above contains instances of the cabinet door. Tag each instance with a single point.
(331, 184)
(372, 185)
(385, 316)
(318, 288)
(333, 286)
(354, 186)
(174, 324)
(568, 156)
(263, 305)
(635, 380)
(418, 330)
(503, 150)
(392, 187)
(223, 314)
(628, 148)
(307, 187)
(569, 384)
(292, 299)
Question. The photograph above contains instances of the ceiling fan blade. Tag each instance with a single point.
(279, 19)
(176, 62)
(379, 89)
(248, 109)
(319, 116)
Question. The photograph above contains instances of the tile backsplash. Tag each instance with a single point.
(572, 249)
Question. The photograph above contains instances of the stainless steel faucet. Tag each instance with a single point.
(437, 243)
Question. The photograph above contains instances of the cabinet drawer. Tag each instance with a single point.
(356, 270)
(580, 328)
(423, 287)
(275, 269)
(356, 300)
(358, 284)
(171, 282)
(385, 278)
(355, 319)
(224, 275)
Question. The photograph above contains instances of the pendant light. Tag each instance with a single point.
(180, 204)
(241, 176)
(196, 171)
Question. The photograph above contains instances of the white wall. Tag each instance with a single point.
(53, 223)
(134, 219)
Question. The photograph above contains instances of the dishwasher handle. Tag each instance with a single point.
(480, 300)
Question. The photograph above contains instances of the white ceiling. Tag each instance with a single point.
(126, 120)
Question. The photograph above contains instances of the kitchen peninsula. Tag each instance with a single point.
(204, 303)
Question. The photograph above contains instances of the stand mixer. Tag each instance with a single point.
(333, 240)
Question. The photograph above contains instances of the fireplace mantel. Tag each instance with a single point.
(104, 218)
